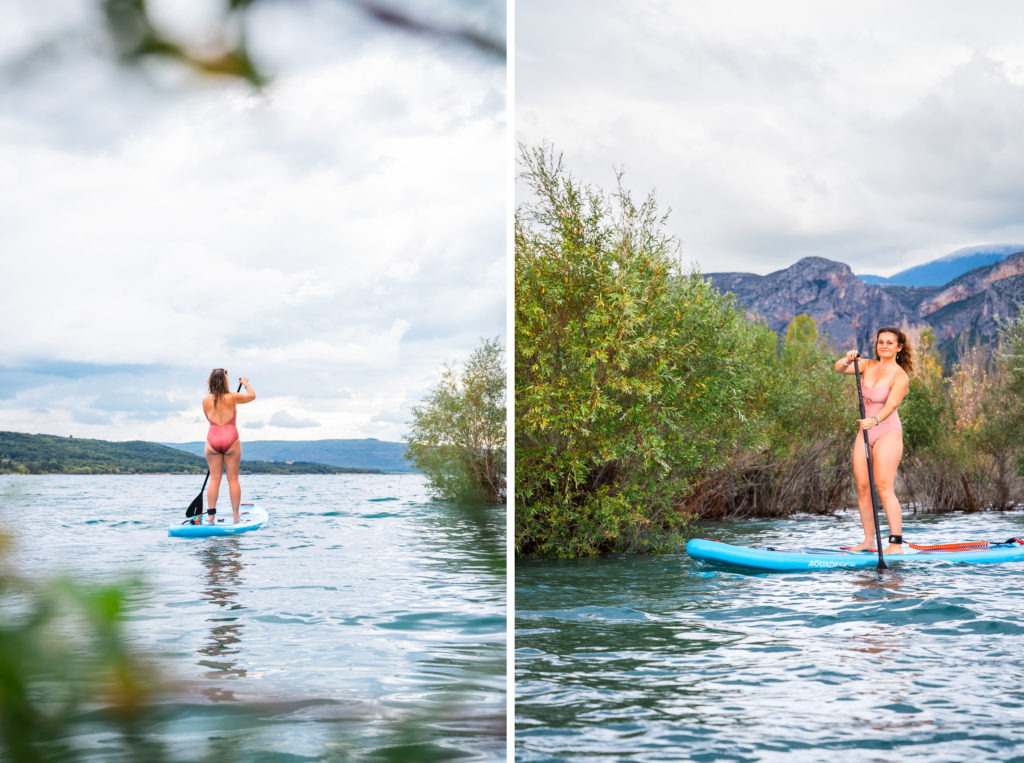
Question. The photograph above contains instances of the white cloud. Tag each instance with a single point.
(875, 133)
(285, 419)
(336, 235)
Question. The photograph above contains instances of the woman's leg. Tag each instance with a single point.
(885, 456)
(867, 514)
(216, 463)
(231, 461)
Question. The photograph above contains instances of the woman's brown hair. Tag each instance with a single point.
(904, 358)
(218, 383)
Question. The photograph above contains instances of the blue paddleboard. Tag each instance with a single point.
(253, 518)
(830, 558)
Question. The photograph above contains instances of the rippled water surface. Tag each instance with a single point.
(663, 658)
(364, 619)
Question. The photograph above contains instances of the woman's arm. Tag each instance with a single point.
(845, 364)
(249, 395)
(900, 385)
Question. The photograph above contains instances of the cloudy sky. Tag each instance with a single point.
(335, 238)
(880, 134)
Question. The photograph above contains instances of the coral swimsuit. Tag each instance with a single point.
(222, 436)
(874, 400)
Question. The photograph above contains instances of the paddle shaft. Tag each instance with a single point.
(871, 469)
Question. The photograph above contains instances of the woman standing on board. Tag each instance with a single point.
(884, 382)
(223, 448)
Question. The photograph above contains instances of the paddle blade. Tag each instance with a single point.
(196, 507)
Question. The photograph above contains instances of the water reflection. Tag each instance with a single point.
(223, 562)
(890, 580)
(466, 537)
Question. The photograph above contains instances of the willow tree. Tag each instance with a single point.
(457, 435)
(808, 412)
(631, 377)
(1001, 432)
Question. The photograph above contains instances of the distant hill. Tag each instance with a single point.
(945, 269)
(366, 453)
(47, 454)
(966, 309)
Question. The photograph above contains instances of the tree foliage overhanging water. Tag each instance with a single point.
(645, 398)
(457, 433)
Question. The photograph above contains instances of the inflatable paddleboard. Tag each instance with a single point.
(830, 558)
(253, 518)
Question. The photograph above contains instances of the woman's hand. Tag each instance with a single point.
(244, 380)
(844, 363)
(869, 423)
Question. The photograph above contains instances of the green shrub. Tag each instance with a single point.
(632, 378)
(457, 435)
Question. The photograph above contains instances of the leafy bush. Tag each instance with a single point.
(457, 435)
(632, 378)
(807, 411)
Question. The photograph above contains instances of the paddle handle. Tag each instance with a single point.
(871, 469)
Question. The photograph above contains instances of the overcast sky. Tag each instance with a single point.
(876, 133)
(335, 239)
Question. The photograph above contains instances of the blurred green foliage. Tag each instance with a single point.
(225, 50)
(457, 433)
(137, 37)
(64, 660)
(72, 688)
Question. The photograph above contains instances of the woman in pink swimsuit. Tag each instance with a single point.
(223, 449)
(884, 382)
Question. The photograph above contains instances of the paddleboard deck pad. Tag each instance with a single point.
(253, 518)
(769, 559)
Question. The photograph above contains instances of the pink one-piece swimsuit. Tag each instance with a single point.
(222, 436)
(874, 400)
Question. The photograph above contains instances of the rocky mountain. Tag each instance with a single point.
(849, 310)
(842, 305)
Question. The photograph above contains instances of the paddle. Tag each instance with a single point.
(196, 507)
(871, 472)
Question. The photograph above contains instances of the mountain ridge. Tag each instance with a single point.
(365, 453)
(23, 453)
(944, 269)
(967, 309)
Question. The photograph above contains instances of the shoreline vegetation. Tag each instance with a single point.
(49, 454)
(457, 434)
(646, 399)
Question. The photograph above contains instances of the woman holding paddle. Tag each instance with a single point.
(223, 448)
(885, 382)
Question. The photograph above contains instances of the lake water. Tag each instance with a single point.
(366, 621)
(662, 658)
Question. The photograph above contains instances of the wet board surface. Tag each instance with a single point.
(253, 518)
(830, 558)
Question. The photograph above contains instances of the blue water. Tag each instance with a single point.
(364, 619)
(663, 658)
